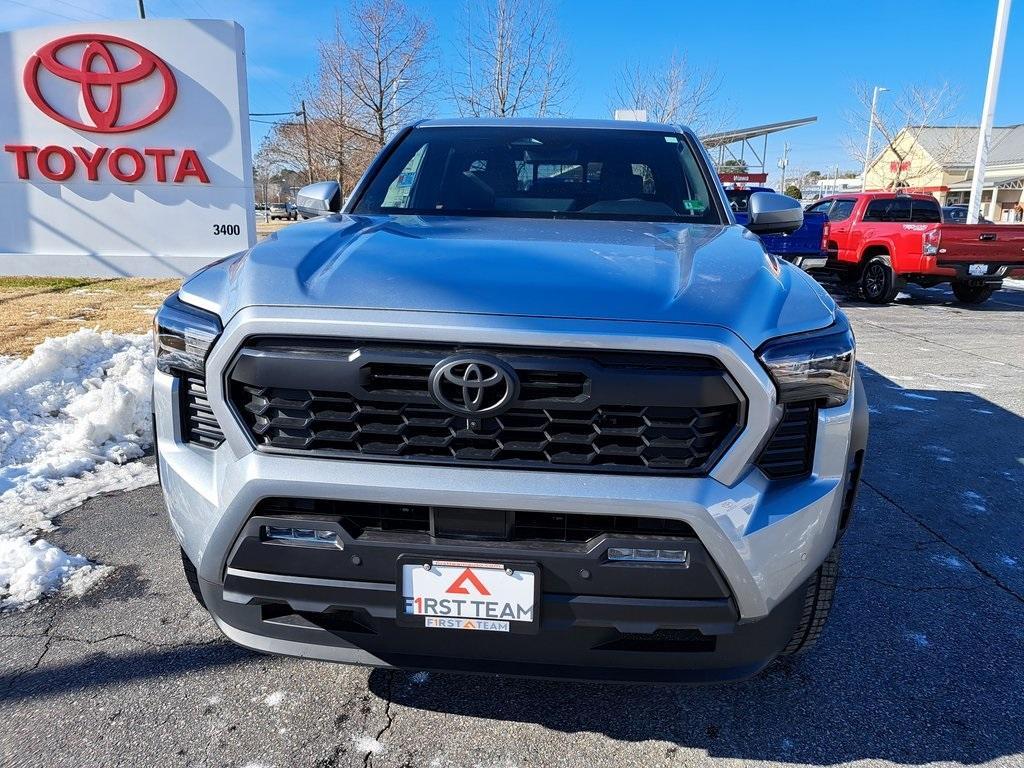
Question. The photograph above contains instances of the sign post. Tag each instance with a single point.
(126, 148)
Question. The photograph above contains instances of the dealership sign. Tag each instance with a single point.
(125, 148)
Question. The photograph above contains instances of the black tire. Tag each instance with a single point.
(972, 294)
(878, 281)
(192, 577)
(820, 590)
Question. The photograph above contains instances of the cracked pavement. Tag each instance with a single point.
(922, 660)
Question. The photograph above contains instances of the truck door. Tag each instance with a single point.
(840, 217)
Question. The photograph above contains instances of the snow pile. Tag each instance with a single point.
(72, 415)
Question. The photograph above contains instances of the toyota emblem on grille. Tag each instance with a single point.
(474, 387)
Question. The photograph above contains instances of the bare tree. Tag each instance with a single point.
(672, 91)
(900, 121)
(512, 60)
(338, 147)
(390, 67)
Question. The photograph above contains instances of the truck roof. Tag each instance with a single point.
(878, 193)
(547, 122)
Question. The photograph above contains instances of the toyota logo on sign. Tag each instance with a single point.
(92, 65)
(474, 387)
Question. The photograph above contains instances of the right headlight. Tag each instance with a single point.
(812, 366)
(183, 336)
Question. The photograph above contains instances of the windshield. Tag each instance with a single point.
(576, 173)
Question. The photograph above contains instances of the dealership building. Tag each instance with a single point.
(940, 160)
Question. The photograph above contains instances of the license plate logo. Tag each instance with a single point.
(473, 596)
(978, 270)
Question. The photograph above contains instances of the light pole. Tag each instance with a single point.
(783, 162)
(871, 127)
(988, 112)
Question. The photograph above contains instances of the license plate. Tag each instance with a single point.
(978, 270)
(454, 594)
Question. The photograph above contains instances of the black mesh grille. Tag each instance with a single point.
(524, 526)
(790, 452)
(614, 437)
(199, 425)
(594, 411)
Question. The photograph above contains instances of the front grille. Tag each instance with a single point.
(198, 424)
(594, 411)
(359, 517)
(790, 452)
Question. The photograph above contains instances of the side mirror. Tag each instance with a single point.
(320, 199)
(769, 213)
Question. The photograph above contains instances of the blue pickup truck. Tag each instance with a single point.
(804, 248)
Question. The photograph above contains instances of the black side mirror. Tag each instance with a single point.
(770, 213)
(319, 199)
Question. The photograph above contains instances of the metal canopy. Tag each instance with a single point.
(745, 134)
(725, 141)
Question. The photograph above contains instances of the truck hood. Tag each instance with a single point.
(597, 270)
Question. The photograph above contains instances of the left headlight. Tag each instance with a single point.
(183, 336)
(813, 366)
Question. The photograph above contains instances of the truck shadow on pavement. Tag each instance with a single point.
(923, 657)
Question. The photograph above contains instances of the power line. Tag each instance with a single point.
(81, 8)
(45, 10)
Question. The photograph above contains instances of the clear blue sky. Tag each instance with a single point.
(778, 60)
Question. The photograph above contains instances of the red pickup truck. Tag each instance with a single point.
(879, 241)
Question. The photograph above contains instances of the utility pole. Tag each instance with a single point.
(988, 112)
(142, 9)
(783, 162)
(309, 151)
(871, 127)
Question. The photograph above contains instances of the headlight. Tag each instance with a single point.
(812, 366)
(183, 336)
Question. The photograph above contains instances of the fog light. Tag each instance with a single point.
(313, 536)
(645, 555)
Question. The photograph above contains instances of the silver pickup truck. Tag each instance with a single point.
(532, 403)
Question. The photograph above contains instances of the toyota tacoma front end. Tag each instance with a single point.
(533, 404)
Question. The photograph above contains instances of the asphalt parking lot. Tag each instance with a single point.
(922, 662)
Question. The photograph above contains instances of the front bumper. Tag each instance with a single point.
(764, 539)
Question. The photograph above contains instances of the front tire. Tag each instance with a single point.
(878, 281)
(972, 294)
(819, 593)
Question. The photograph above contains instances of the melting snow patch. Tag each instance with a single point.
(952, 562)
(368, 744)
(919, 638)
(276, 699)
(72, 415)
(28, 570)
